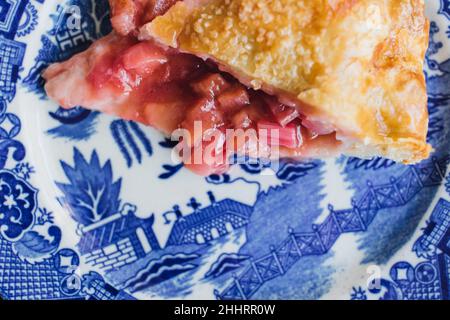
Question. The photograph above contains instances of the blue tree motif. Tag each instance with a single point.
(91, 195)
(33, 247)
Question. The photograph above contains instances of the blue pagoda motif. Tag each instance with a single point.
(11, 57)
(118, 240)
(208, 223)
(437, 233)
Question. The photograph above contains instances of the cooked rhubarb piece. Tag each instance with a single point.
(128, 15)
(288, 136)
(210, 85)
(233, 99)
(351, 67)
(241, 120)
(283, 114)
(142, 58)
(206, 113)
(165, 107)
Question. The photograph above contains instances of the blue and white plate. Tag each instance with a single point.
(92, 207)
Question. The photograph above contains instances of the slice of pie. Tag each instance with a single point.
(354, 67)
(345, 77)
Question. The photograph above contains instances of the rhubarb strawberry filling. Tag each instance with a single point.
(168, 90)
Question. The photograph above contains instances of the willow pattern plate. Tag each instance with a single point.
(91, 206)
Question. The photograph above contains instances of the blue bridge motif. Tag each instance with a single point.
(319, 241)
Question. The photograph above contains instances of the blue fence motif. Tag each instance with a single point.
(319, 241)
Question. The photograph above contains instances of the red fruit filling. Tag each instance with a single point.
(169, 90)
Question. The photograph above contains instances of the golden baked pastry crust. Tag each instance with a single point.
(356, 65)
